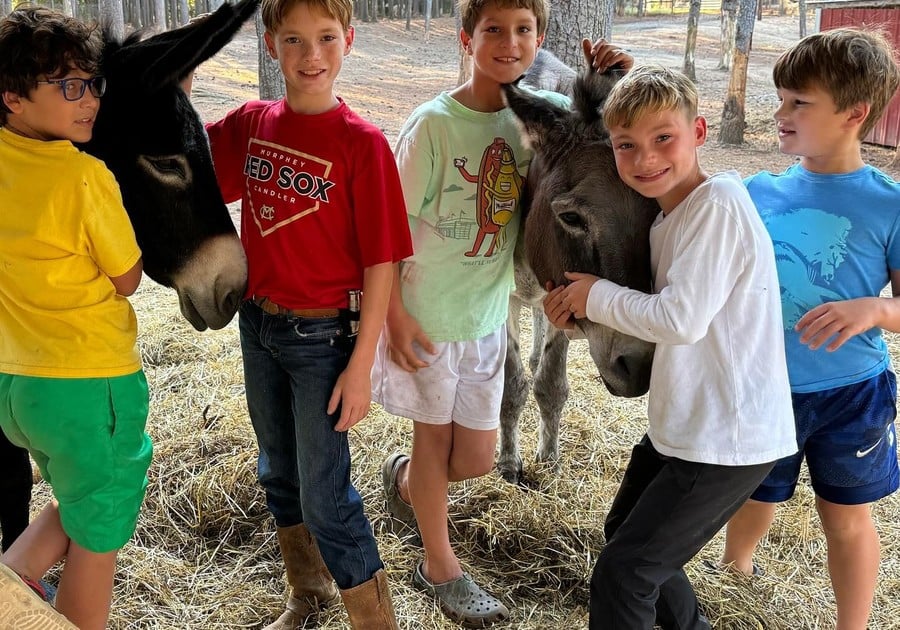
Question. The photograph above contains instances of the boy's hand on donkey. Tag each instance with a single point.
(603, 55)
(557, 309)
(563, 305)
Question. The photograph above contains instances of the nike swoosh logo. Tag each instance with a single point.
(870, 449)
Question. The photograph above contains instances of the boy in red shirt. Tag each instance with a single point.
(322, 219)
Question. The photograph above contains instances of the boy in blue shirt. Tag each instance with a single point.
(835, 224)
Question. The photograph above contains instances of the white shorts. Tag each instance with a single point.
(463, 383)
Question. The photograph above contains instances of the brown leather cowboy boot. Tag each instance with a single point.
(369, 604)
(312, 588)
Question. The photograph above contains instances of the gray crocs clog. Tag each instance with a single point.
(403, 519)
(463, 600)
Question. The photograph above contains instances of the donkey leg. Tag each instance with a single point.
(538, 324)
(551, 390)
(515, 393)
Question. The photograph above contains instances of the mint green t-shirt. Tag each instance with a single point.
(463, 173)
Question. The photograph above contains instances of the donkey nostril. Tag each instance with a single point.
(230, 302)
(635, 368)
(631, 364)
(624, 365)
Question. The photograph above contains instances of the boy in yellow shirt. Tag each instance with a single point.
(72, 390)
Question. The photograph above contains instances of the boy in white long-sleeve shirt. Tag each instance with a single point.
(719, 405)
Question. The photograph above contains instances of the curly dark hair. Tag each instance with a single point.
(40, 42)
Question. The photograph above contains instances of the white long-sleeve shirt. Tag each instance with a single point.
(719, 391)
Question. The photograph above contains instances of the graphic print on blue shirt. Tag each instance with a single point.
(836, 237)
(813, 247)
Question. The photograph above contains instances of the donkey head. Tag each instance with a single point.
(151, 138)
(582, 217)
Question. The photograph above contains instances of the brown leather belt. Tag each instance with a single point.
(272, 308)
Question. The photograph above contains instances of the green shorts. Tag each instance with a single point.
(87, 437)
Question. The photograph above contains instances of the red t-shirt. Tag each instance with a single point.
(321, 200)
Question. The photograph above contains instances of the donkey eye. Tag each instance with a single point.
(572, 219)
(174, 170)
(167, 166)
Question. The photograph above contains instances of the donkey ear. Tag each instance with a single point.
(591, 90)
(170, 56)
(538, 117)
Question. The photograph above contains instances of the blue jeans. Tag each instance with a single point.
(290, 368)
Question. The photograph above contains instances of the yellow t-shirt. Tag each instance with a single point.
(63, 234)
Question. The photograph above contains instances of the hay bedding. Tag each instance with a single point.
(205, 557)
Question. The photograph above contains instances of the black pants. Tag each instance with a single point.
(665, 511)
(15, 490)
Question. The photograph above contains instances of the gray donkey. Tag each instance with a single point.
(579, 217)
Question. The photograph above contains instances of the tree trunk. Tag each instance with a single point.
(571, 21)
(691, 43)
(271, 82)
(802, 8)
(427, 18)
(171, 13)
(408, 14)
(728, 18)
(733, 112)
(158, 11)
(184, 13)
(112, 17)
(134, 14)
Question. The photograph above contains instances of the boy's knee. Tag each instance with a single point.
(612, 572)
(845, 522)
(470, 467)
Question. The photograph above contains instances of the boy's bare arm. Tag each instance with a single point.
(403, 331)
(353, 390)
(833, 323)
(128, 282)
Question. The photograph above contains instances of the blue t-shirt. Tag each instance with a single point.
(836, 237)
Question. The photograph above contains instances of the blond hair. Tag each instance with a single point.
(851, 64)
(649, 89)
(273, 11)
(470, 11)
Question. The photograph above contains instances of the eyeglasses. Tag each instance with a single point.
(73, 89)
